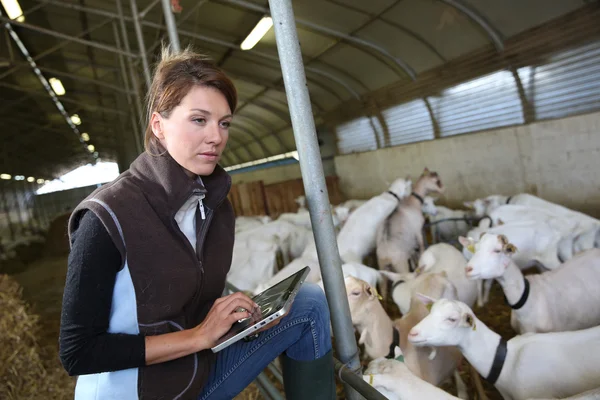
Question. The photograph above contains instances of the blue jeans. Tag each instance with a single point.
(303, 335)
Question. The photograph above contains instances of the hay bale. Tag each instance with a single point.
(57, 239)
(27, 371)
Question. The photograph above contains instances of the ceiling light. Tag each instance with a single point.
(85, 137)
(13, 9)
(40, 181)
(57, 86)
(5, 176)
(46, 181)
(75, 119)
(31, 179)
(91, 148)
(19, 178)
(257, 33)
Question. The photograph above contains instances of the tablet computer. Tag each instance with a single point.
(273, 303)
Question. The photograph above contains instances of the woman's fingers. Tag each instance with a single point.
(234, 317)
(235, 302)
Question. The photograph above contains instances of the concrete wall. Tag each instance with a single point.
(557, 160)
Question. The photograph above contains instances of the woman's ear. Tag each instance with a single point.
(156, 125)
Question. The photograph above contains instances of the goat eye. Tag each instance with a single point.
(452, 319)
(497, 251)
(355, 293)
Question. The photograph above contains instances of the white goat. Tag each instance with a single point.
(564, 299)
(243, 223)
(537, 243)
(486, 205)
(401, 232)
(446, 230)
(577, 242)
(542, 365)
(252, 265)
(393, 379)
(440, 257)
(593, 394)
(377, 332)
(357, 237)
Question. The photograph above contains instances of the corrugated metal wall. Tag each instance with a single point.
(551, 72)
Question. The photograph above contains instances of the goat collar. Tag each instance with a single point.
(395, 195)
(418, 197)
(395, 342)
(523, 298)
(498, 363)
(401, 281)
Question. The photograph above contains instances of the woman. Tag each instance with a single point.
(150, 252)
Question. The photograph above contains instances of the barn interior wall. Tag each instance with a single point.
(292, 171)
(558, 160)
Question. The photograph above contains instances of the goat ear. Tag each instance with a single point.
(481, 235)
(503, 239)
(470, 321)
(464, 241)
(509, 248)
(428, 301)
(469, 204)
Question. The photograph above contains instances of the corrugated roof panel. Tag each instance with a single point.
(488, 102)
(408, 122)
(357, 135)
(569, 84)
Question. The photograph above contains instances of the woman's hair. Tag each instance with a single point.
(174, 76)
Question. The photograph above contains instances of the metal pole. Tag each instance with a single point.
(315, 187)
(357, 382)
(171, 26)
(29, 207)
(268, 387)
(6, 208)
(66, 37)
(141, 44)
(138, 136)
(19, 212)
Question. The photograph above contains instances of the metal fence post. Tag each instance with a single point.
(315, 187)
(171, 26)
(141, 44)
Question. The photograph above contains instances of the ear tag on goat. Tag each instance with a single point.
(471, 248)
(429, 306)
(377, 294)
(371, 379)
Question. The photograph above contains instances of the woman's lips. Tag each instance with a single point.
(209, 156)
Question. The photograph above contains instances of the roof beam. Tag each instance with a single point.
(333, 33)
(64, 99)
(396, 25)
(58, 46)
(494, 35)
(68, 38)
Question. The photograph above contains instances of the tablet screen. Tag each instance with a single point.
(269, 302)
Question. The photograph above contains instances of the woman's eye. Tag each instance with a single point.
(200, 120)
(225, 124)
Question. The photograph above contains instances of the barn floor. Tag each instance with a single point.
(43, 284)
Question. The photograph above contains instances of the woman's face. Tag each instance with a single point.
(196, 132)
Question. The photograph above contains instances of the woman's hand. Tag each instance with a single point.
(220, 318)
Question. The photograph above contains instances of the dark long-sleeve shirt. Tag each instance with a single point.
(85, 345)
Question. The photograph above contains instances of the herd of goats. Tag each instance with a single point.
(556, 313)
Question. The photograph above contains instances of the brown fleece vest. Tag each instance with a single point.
(174, 285)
